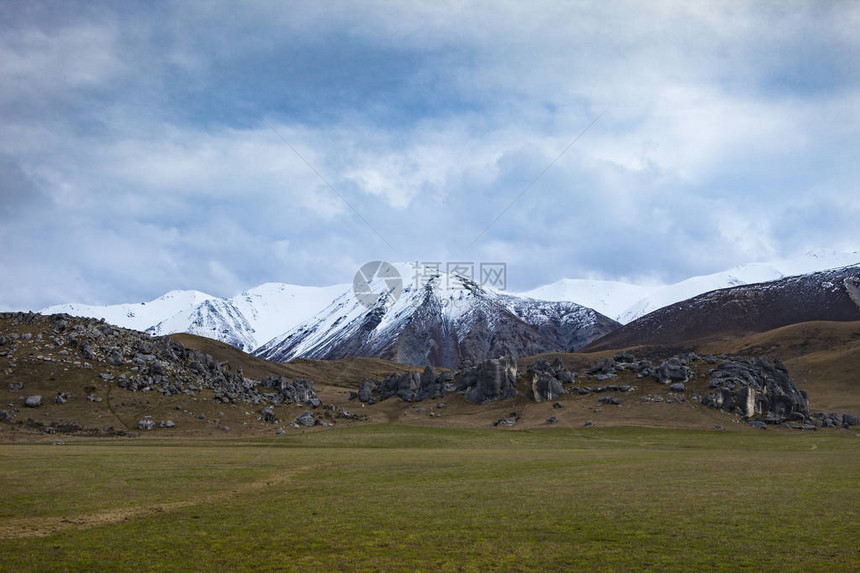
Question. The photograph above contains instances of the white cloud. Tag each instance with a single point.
(722, 120)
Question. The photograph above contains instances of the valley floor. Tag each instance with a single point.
(404, 498)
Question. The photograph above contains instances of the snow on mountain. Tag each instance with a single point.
(273, 308)
(453, 320)
(214, 318)
(447, 321)
(610, 298)
(244, 321)
(137, 316)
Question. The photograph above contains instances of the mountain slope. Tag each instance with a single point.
(449, 321)
(625, 302)
(828, 295)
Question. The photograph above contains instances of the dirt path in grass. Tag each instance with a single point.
(45, 526)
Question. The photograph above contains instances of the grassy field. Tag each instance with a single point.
(396, 498)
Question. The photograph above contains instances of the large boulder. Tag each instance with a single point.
(545, 387)
(756, 388)
(402, 384)
(493, 379)
(430, 384)
(672, 370)
(547, 379)
(33, 401)
(365, 391)
(267, 414)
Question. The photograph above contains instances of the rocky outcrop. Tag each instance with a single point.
(547, 380)
(409, 386)
(758, 388)
(493, 379)
(137, 362)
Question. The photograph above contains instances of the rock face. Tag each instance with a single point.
(410, 386)
(757, 388)
(494, 379)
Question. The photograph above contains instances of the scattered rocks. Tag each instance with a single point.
(551, 420)
(510, 420)
(61, 398)
(609, 400)
(678, 387)
(167, 424)
(589, 424)
(33, 401)
(15, 386)
(146, 424)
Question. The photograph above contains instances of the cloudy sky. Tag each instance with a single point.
(141, 145)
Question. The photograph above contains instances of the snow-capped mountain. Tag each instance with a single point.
(244, 321)
(137, 316)
(626, 302)
(251, 318)
(447, 321)
(273, 314)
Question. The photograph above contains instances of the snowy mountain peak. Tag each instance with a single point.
(441, 319)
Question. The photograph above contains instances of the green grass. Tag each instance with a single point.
(418, 499)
